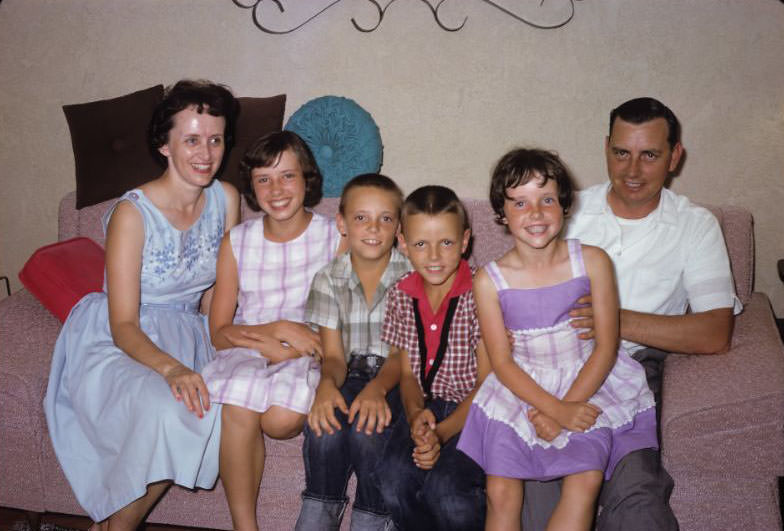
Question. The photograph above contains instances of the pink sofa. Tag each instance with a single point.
(722, 420)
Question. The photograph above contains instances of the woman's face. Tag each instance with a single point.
(195, 148)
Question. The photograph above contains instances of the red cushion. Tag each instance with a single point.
(62, 273)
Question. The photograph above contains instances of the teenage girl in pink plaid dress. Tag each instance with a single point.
(266, 370)
(556, 405)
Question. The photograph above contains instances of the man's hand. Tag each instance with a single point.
(372, 408)
(577, 416)
(322, 415)
(546, 427)
(582, 317)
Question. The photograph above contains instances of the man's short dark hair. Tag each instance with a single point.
(641, 110)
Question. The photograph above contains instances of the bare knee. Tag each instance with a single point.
(588, 481)
(239, 418)
(281, 423)
(504, 494)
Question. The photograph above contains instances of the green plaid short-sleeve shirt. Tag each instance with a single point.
(336, 300)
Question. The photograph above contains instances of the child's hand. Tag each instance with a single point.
(300, 337)
(425, 455)
(546, 427)
(577, 416)
(322, 415)
(188, 386)
(582, 317)
(372, 407)
(422, 422)
(269, 347)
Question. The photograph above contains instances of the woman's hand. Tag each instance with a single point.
(322, 414)
(189, 387)
(372, 408)
(577, 416)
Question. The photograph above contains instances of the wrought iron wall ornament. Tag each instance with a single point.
(255, 7)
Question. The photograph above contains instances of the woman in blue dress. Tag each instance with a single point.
(127, 409)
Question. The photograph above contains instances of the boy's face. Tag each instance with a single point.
(434, 244)
(370, 221)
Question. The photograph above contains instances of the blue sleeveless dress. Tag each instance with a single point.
(114, 423)
(497, 433)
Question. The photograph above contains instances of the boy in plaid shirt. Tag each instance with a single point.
(357, 398)
(425, 481)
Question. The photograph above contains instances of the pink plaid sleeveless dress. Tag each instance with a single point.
(497, 433)
(274, 281)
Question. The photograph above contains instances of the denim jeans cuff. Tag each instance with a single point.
(317, 514)
(370, 521)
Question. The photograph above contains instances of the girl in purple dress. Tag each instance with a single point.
(556, 405)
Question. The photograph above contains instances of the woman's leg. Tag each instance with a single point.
(130, 516)
(241, 463)
(577, 507)
(504, 503)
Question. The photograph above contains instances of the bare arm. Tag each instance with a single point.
(333, 374)
(124, 246)
(707, 332)
(605, 315)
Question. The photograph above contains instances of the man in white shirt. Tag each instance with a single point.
(675, 287)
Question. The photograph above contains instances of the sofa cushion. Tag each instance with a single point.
(257, 117)
(62, 273)
(109, 139)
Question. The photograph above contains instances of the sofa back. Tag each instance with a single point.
(489, 239)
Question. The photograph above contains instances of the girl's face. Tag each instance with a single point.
(195, 147)
(280, 188)
(532, 212)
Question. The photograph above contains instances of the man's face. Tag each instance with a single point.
(639, 159)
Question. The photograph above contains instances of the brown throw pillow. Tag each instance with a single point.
(258, 116)
(109, 139)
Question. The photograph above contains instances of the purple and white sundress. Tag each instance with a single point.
(274, 281)
(497, 433)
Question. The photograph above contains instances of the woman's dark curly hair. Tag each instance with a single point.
(518, 167)
(266, 151)
(206, 96)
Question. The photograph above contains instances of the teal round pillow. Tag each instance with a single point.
(342, 136)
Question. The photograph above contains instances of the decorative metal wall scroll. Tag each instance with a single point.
(256, 5)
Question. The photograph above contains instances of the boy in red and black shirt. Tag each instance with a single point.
(431, 318)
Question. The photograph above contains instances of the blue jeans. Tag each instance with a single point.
(330, 460)
(449, 496)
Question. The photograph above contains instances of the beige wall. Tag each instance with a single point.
(447, 104)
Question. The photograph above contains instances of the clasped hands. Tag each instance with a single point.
(573, 416)
(427, 443)
(369, 408)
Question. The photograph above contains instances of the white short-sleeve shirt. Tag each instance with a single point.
(674, 261)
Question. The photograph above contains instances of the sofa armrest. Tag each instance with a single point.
(27, 336)
(724, 414)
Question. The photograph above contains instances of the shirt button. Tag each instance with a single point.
(430, 362)
(433, 327)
